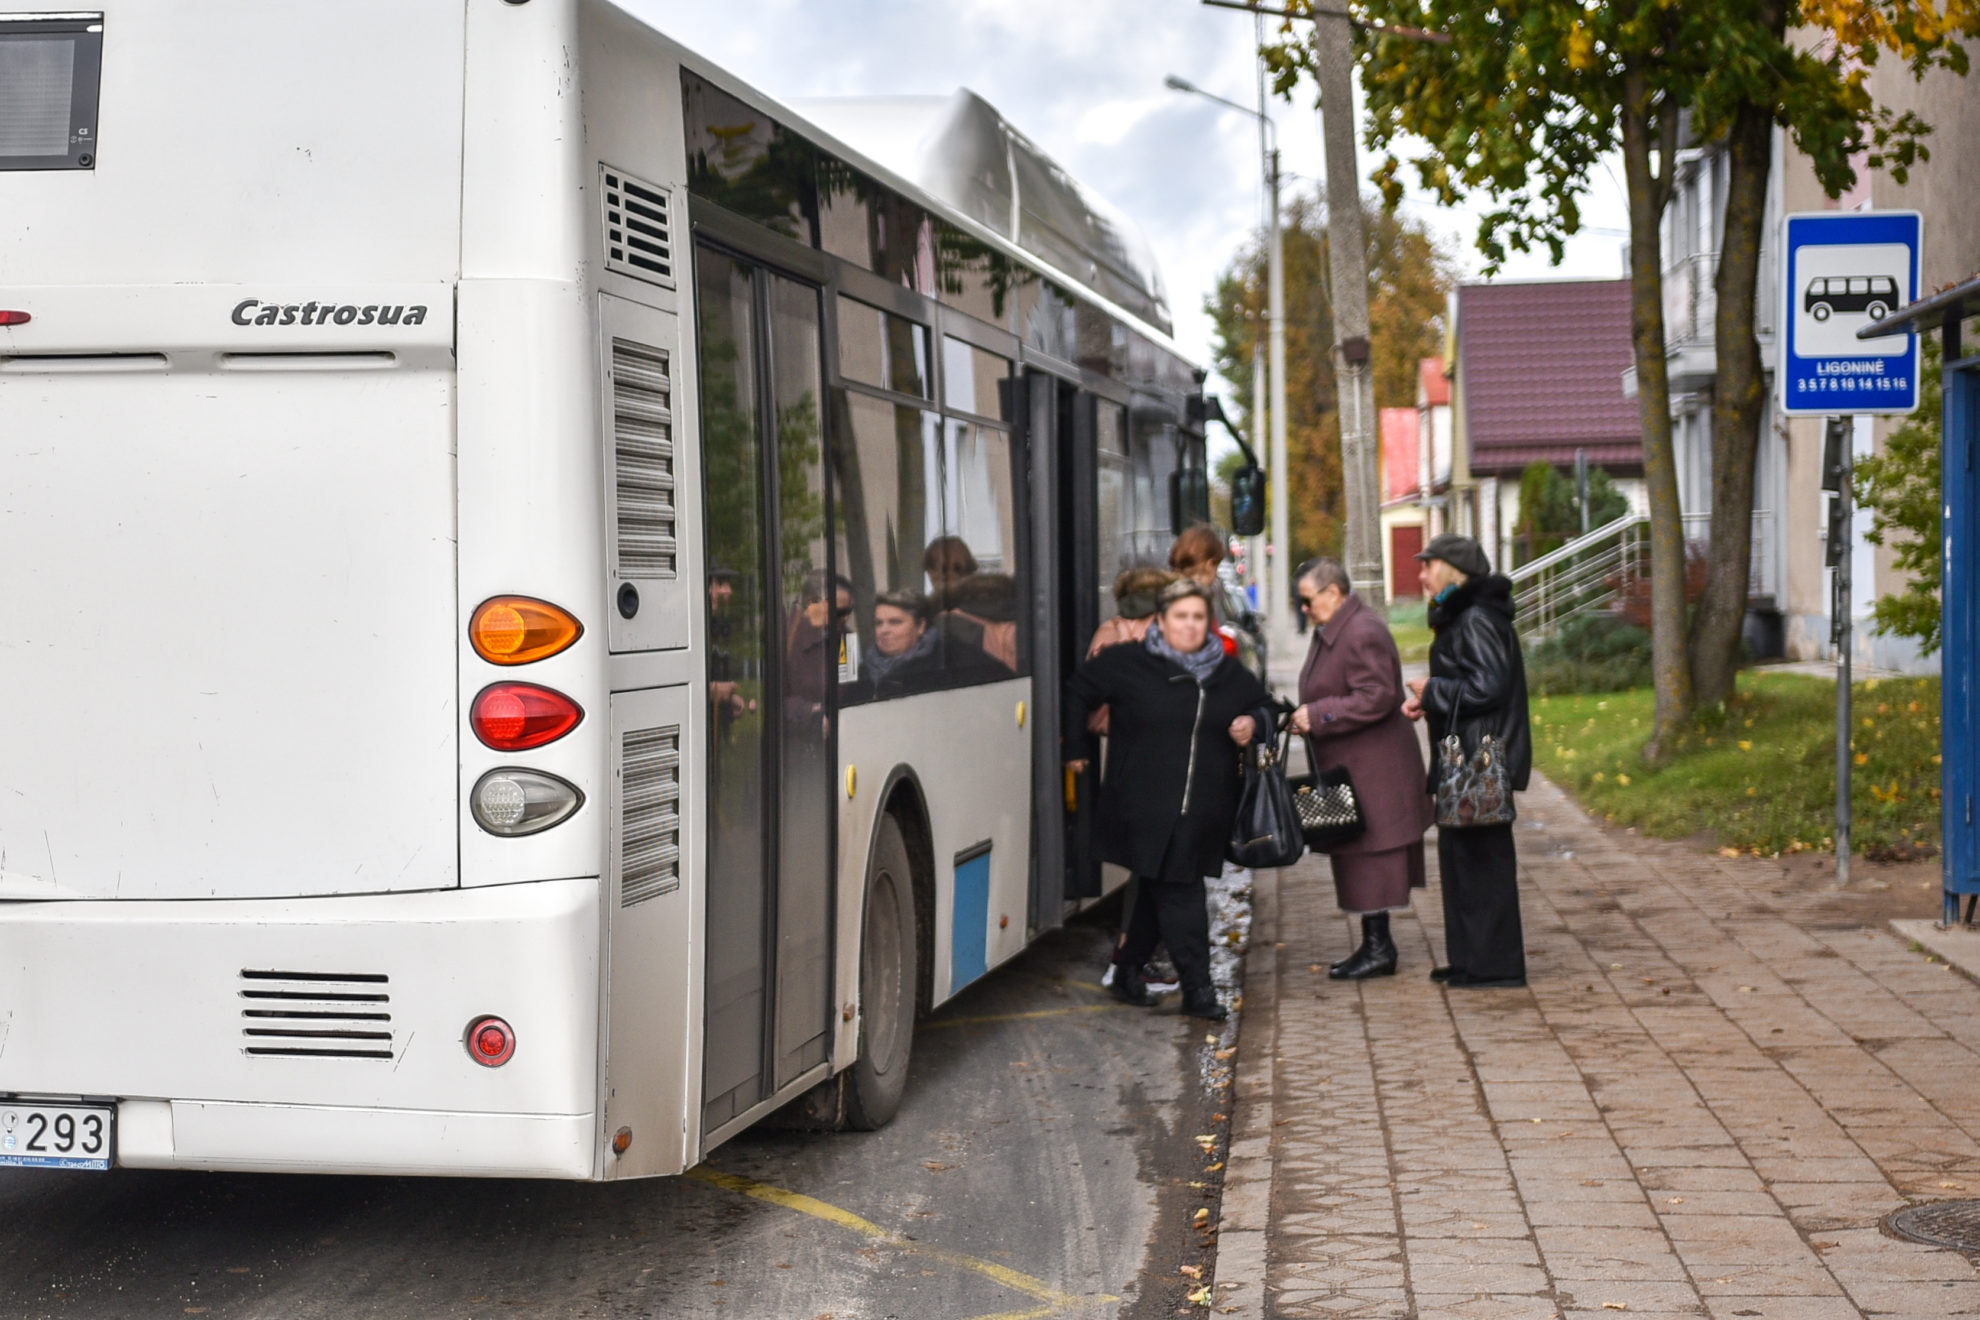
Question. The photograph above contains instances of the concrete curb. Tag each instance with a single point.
(1238, 1283)
(1958, 945)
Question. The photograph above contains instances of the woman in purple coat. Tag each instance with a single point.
(1351, 696)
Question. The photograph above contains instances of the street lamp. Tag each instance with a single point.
(1276, 567)
(1276, 579)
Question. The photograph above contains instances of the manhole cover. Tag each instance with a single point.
(1954, 1224)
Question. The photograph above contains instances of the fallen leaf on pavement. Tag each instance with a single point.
(1193, 1271)
(1202, 1216)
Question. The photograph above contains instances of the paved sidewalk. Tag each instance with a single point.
(1712, 1092)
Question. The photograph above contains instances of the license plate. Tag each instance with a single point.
(56, 1136)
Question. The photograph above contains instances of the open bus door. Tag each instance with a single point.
(1057, 417)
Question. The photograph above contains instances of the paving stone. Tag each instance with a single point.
(1703, 1105)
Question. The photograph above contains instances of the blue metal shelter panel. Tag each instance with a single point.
(1840, 271)
(969, 931)
(1959, 599)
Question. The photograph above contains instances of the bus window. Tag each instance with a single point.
(972, 380)
(886, 468)
(973, 571)
(880, 349)
(1114, 498)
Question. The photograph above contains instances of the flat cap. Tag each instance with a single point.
(1460, 552)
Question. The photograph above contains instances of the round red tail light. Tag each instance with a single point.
(514, 717)
(490, 1041)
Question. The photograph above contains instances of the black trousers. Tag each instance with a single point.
(1479, 878)
(1172, 913)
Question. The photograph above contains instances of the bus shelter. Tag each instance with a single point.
(1959, 583)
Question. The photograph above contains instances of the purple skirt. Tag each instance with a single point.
(1376, 882)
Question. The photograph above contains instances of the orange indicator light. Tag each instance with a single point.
(514, 630)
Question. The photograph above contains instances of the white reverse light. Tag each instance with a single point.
(511, 802)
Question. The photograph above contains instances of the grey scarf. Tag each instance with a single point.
(1201, 663)
(879, 664)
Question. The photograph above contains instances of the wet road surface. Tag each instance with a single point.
(1044, 1162)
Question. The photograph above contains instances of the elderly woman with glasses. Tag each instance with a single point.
(1351, 697)
(1181, 709)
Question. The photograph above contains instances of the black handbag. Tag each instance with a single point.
(1329, 809)
(1266, 833)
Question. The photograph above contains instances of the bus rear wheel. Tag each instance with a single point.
(888, 974)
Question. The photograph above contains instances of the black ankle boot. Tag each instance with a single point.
(1375, 957)
(1129, 988)
(1204, 1004)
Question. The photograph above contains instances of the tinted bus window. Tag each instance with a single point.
(972, 380)
(881, 349)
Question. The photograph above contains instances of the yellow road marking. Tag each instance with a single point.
(1032, 1016)
(1055, 1301)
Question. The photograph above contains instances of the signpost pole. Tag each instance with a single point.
(1842, 634)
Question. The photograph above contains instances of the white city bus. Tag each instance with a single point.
(535, 581)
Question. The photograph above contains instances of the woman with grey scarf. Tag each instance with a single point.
(905, 648)
(1181, 709)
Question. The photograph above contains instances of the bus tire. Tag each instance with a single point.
(888, 976)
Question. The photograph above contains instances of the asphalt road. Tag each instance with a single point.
(1045, 1162)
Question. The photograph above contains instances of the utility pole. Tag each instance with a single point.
(1278, 613)
(1348, 264)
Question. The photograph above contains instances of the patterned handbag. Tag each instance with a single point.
(1475, 789)
(1329, 812)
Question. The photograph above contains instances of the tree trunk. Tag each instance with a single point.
(1738, 401)
(1650, 127)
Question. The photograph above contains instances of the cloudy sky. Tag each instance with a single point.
(1083, 78)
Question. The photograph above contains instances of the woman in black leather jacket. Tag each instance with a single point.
(1477, 685)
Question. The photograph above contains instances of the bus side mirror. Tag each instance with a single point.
(1189, 498)
(1248, 500)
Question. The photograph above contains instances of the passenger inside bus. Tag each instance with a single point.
(811, 652)
(907, 653)
(978, 610)
(724, 695)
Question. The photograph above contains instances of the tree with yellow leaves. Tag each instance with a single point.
(1520, 106)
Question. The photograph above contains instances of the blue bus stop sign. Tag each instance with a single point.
(1841, 270)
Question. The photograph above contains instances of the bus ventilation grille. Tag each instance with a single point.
(638, 228)
(333, 1015)
(643, 460)
(650, 814)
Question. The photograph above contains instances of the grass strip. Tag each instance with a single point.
(1758, 777)
(1409, 625)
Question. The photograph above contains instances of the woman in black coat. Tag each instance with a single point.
(1477, 686)
(1169, 796)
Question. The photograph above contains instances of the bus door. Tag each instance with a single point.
(774, 613)
(1079, 610)
(1062, 482)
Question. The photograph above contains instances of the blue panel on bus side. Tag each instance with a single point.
(969, 932)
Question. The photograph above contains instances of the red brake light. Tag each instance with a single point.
(14, 318)
(490, 1041)
(514, 717)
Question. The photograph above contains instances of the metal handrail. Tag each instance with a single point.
(1579, 578)
(1576, 547)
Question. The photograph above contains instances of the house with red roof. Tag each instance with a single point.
(1537, 377)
